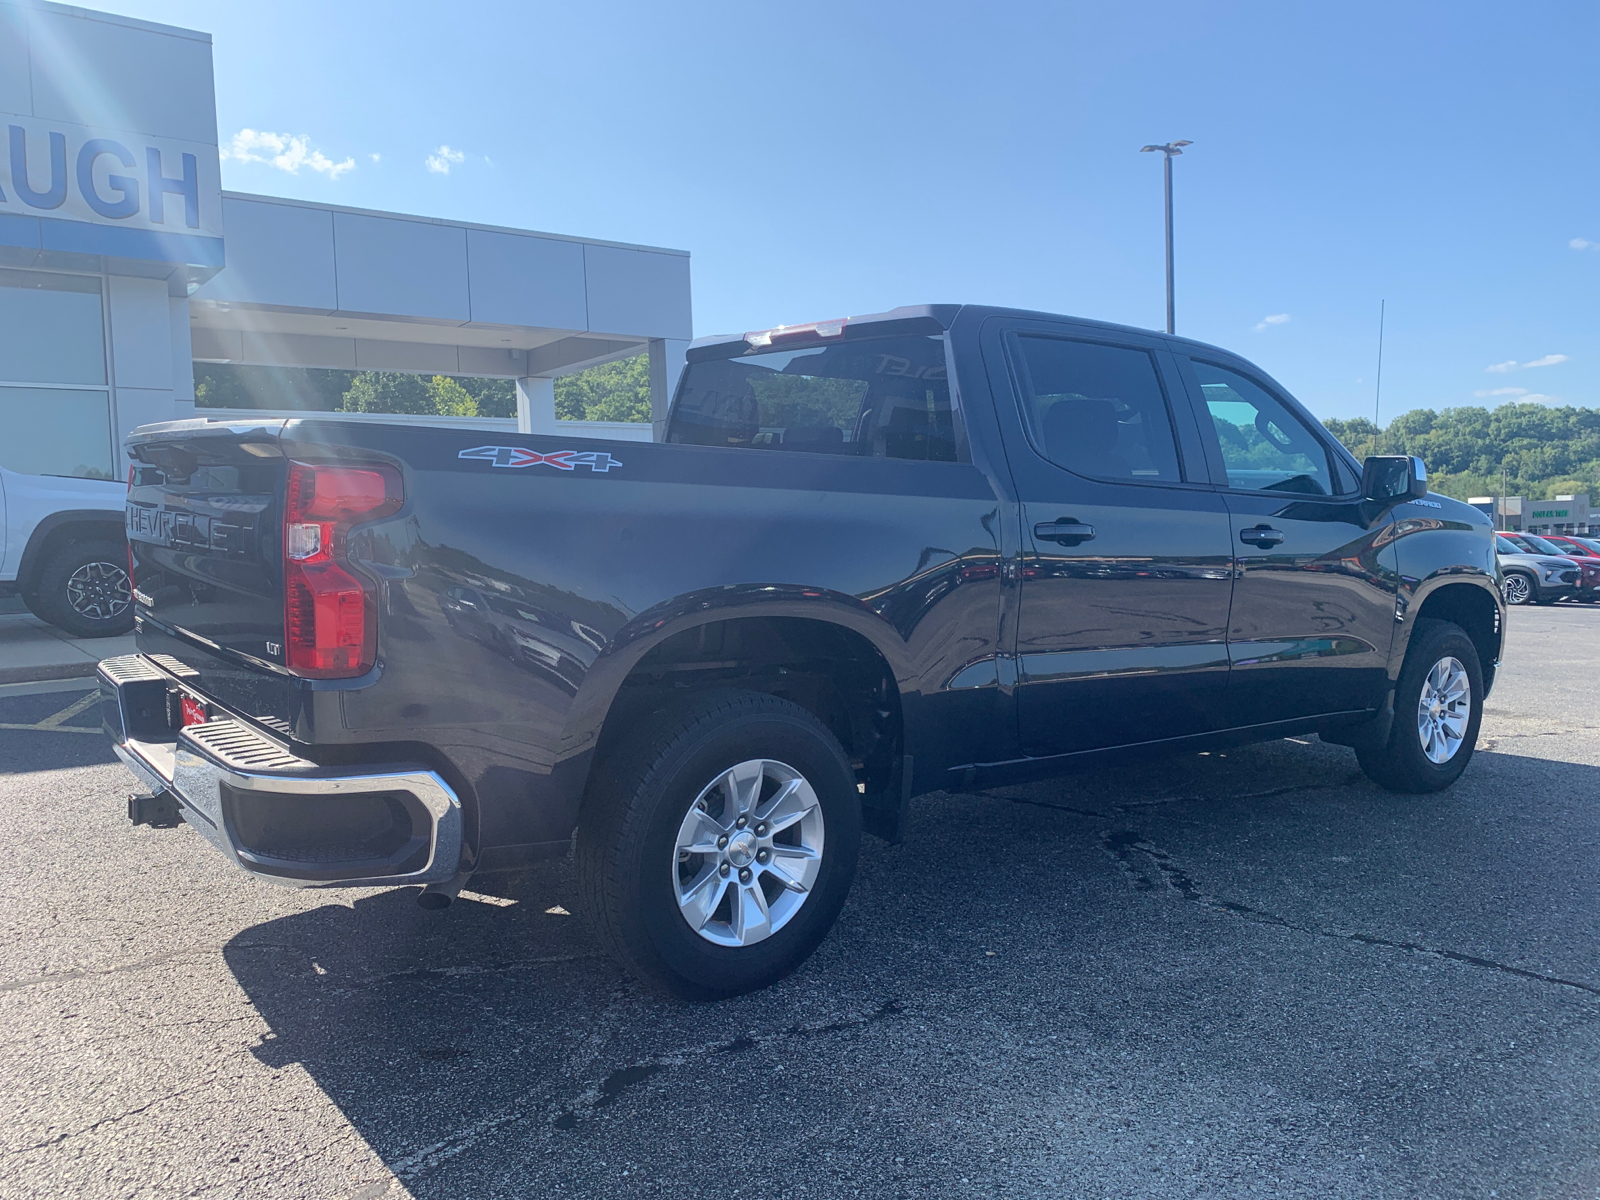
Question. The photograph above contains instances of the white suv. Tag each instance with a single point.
(65, 552)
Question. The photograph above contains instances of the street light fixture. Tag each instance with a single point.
(1170, 149)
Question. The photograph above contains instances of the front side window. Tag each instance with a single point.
(1265, 447)
(871, 397)
(1096, 410)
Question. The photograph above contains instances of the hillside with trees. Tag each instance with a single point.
(616, 391)
(1544, 451)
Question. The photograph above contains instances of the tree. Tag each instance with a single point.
(411, 395)
(1544, 451)
(614, 391)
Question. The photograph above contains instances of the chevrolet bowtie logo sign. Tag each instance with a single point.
(598, 461)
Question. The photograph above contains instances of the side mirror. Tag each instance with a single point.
(1392, 478)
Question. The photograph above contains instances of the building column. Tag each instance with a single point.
(666, 365)
(142, 355)
(536, 404)
(182, 359)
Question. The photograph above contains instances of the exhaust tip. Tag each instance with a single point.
(439, 895)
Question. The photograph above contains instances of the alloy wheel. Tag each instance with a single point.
(1517, 589)
(1443, 710)
(99, 591)
(748, 853)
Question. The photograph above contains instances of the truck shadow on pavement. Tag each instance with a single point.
(1201, 969)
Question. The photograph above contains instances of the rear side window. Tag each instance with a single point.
(872, 397)
(1096, 410)
(1265, 447)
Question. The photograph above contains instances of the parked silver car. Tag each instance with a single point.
(1534, 578)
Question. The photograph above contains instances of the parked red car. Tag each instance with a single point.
(1577, 547)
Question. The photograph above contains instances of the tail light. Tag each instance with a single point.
(330, 614)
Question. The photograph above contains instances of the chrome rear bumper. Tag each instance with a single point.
(273, 814)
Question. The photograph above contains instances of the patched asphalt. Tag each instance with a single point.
(1249, 972)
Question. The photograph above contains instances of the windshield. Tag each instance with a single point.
(1505, 546)
(1542, 546)
(872, 397)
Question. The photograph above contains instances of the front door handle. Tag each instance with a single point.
(1065, 531)
(1262, 536)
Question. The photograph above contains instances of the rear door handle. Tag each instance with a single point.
(1068, 533)
(1262, 536)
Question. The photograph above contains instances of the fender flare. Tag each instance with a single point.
(105, 522)
(1432, 586)
(587, 714)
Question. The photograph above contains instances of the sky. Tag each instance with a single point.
(824, 159)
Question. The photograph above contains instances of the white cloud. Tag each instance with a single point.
(377, 158)
(1275, 319)
(1502, 392)
(1505, 368)
(287, 152)
(1540, 398)
(1583, 244)
(442, 159)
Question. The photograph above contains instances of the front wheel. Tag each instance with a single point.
(716, 847)
(1518, 589)
(1438, 705)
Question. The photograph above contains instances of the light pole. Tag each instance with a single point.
(1170, 149)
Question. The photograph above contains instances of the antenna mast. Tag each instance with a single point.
(1377, 394)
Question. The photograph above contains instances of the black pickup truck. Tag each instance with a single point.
(936, 548)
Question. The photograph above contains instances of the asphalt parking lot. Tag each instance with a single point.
(1222, 975)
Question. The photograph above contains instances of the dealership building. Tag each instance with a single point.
(1517, 514)
(123, 262)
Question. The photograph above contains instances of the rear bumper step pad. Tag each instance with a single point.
(271, 813)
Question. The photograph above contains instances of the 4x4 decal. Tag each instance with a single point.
(598, 461)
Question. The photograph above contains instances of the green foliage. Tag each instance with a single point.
(495, 397)
(1544, 451)
(312, 389)
(1243, 448)
(222, 385)
(807, 401)
(614, 391)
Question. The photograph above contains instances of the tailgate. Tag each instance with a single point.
(205, 534)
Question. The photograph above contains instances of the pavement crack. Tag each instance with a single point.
(623, 1078)
(111, 1120)
(1123, 845)
(609, 1089)
(142, 964)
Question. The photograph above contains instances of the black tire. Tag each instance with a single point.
(627, 841)
(1526, 593)
(1402, 765)
(84, 588)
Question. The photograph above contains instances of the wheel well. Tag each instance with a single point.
(832, 672)
(1475, 611)
(42, 546)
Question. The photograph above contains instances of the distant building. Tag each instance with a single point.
(1564, 514)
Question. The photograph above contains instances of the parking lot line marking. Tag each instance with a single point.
(51, 728)
(70, 711)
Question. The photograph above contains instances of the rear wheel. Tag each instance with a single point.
(1438, 705)
(1518, 588)
(84, 588)
(716, 847)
